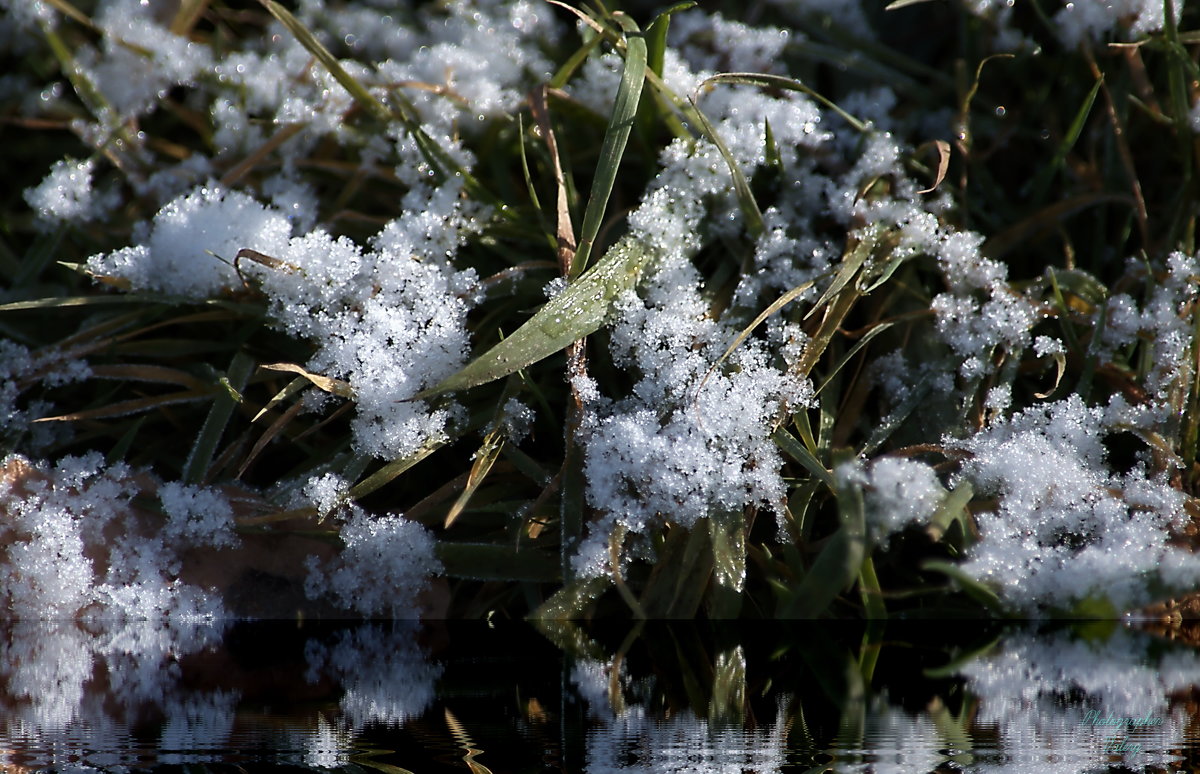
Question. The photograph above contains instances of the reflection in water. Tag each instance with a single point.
(1083, 702)
(692, 699)
(131, 693)
(631, 737)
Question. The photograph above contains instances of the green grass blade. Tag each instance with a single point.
(328, 61)
(571, 65)
(858, 345)
(572, 600)
(727, 531)
(195, 470)
(975, 589)
(656, 35)
(579, 310)
(1046, 173)
(840, 562)
(797, 451)
(616, 136)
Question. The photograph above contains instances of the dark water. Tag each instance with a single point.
(397, 697)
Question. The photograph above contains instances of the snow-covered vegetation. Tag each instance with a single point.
(797, 310)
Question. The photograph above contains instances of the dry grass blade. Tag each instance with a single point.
(943, 152)
(186, 17)
(291, 389)
(127, 407)
(564, 230)
(1046, 218)
(326, 384)
(243, 167)
(149, 373)
(275, 428)
(485, 458)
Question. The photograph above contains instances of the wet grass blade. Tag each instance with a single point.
(572, 600)
(976, 590)
(797, 451)
(571, 315)
(727, 533)
(616, 136)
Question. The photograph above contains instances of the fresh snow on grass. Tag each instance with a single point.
(364, 223)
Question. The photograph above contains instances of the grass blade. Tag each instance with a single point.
(616, 136)
(799, 453)
(790, 84)
(200, 458)
(391, 470)
(741, 186)
(485, 458)
(579, 310)
(328, 61)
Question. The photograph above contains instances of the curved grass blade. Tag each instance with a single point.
(579, 310)
(975, 589)
(616, 136)
(656, 35)
(741, 186)
(790, 84)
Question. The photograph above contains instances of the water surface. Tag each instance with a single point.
(509, 697)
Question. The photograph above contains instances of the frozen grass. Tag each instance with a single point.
(795, 310)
